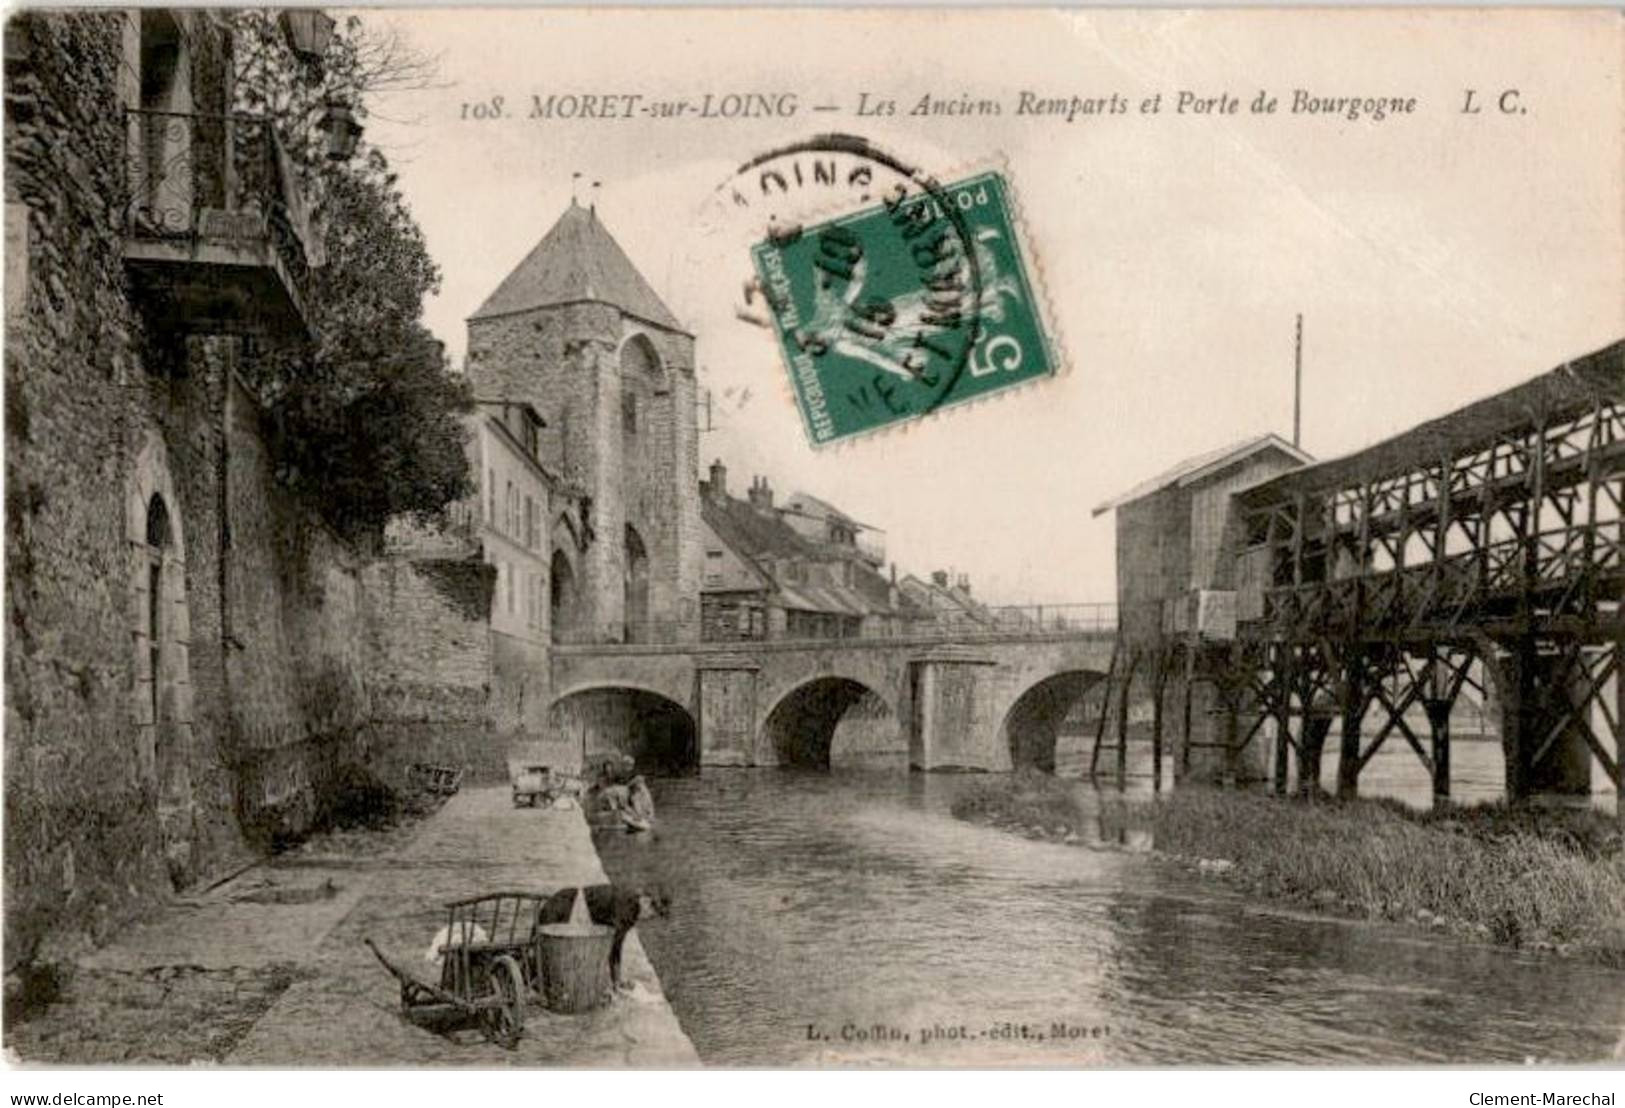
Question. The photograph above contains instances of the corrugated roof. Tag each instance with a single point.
(1196, 468)
(1559, 394)
(578, 260)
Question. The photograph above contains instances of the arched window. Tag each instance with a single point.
(158, 541)
(561, 595)
(641, 376)
(637, 587)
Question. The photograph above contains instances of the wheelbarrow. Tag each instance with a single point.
(487, 969)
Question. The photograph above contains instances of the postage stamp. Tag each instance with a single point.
(919, 302)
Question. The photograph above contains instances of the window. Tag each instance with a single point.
(530, 522)
(629, 412)
(491, 497)
(510, 577)
(510, 499)
(533, 439)
(713, 567)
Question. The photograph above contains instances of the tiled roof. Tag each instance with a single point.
(578, 260)
(764, 539)
(754, 534)
(809, 505)
(953, 598)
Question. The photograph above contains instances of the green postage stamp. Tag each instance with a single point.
(915, 304)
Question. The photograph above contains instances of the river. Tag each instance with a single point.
(821, 917)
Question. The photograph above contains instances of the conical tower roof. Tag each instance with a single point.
(578, 260)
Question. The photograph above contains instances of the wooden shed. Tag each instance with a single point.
(1177, 537)
(1177, 534)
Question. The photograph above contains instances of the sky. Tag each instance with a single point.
(1436, 256)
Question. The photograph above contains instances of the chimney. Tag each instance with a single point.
(761, 496)
(718, 487)
(939, 578)
(964, 583)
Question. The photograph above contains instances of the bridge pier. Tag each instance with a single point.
(952, 699)
(727, 710)
(1555, 715)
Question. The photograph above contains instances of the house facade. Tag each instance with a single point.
(765, 579)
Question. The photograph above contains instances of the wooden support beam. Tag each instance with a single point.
(1530, 536)
(1438, 701)
(1122, 719)
(1105, 703)
(1232, 755)
(1518, 702)
(1300, 511)
(1355, 700)
(1396, 719)
(1310, 747)
(1158, 685)
(1283, 715)
(1185, 743)
(1411, 738)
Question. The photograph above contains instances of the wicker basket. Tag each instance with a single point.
(575, 965)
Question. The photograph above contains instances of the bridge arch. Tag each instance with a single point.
(606, 721)
(1033, 726)
(833, 720)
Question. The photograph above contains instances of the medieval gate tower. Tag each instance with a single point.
(576, 331)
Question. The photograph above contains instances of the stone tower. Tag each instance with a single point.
(577, 331)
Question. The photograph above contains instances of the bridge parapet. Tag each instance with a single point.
(1004, 621)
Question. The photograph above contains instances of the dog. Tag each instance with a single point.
(613, 906)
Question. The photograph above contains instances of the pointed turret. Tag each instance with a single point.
(578, 261)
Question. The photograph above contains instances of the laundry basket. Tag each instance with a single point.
(575, 961)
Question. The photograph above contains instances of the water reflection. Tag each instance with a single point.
(819, 914)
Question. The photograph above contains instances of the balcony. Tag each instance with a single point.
(217, 235)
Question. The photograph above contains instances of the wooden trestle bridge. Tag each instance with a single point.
(1481, 550)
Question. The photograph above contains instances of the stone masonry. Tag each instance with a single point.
(617, 390)
(192, 657)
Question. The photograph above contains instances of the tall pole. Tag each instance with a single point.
(1297, 383)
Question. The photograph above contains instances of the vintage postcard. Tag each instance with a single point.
(814, 538)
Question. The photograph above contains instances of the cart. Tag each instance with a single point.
(491, 964)
(437, 779)
(535, 785)
(532, 785)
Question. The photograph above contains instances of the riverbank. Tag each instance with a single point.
(1522, 878)
(269, 969)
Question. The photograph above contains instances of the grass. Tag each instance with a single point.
(1520, 877)
(1032, 804)
(1041, 806)
(1516, 876)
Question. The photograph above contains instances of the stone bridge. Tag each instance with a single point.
(987, 703)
